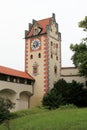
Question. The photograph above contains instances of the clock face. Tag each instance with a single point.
(35, 44)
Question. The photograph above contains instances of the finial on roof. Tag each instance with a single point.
(34, 21)
(30, 25)
(53, 15)
(26, 32)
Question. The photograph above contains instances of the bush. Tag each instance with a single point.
(65, 93)
(53, 99)
(5, 106)
(67, 106)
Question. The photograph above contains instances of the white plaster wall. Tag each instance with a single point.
(13, 92)
(53, 37)
(71, 73)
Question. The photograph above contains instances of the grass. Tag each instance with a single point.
(41, 119)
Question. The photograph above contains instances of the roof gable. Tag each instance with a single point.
(42, 24)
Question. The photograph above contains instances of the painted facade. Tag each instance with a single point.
(42, 54)
(42, 63)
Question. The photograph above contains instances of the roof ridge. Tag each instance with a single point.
(44, 19)
(15, 72)
(11, 68)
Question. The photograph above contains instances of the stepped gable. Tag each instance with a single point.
(42, 24)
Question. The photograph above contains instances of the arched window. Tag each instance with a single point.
(56, 57)
(39, 55)
(56, 45)
(31, 56)
(51, 55)
(55, 69)
(51, 43)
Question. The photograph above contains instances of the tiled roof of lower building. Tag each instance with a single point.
(13, 72)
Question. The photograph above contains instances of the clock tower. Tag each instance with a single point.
(43, 55)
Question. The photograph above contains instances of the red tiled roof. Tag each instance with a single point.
(42, 23)
(13, 72)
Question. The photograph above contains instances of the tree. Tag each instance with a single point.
(79, 57)
(83, 24)
(54, 97)
(65, 93)
(5, 106)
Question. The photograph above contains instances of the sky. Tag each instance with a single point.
(15, 15)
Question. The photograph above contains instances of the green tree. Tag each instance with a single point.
(79, 57)
(5, 106)
(65, 93)
(83, 24)
(54, 97)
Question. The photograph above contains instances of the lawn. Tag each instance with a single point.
(41, 119)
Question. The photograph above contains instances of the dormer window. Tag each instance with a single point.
(35, 31)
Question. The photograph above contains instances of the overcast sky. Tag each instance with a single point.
(15, 16)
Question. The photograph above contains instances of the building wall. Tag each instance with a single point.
(50, 46)
(71, 73)
(41, 77)
(54, 50)
(17, 93)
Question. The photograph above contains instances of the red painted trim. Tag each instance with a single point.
(45, 52)
(46, 64)
(45, 68)
(45, 77)
(45, 57)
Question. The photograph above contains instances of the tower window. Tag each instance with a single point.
(39, 55)
(31, 56)
(55, 69)
(51, 43)
(51, 55)
(56, 57)
(56, 45)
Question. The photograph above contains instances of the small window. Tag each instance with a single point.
(8, 78)
(56, 45)
(39, 55)
(18, 80)
(25, 81)
(51, 43)
(35, 31)
(31, 56)
(56, 57)
(14, 80)
(55, 69)
(51, 55)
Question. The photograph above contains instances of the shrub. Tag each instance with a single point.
(65, 93)
(67, 106)
(5, 106)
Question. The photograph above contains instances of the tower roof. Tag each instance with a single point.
(42, 24)
(13, 72)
